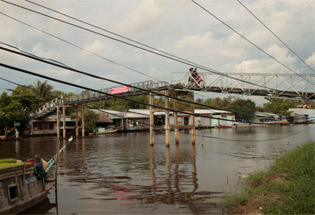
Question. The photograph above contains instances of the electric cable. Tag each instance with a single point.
(61, 65)
(259, 20)
(203, 136)
(207, 11)
(70, 43)
(112, 95)
(141, 48)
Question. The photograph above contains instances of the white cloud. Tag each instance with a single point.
(96, 47)
(311, 60)
(38, 49)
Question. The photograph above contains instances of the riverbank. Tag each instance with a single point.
(286, 188)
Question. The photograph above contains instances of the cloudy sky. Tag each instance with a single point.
(179, 27)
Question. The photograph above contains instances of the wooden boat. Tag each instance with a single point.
(225, 126)
(105, 132)
(20, 189)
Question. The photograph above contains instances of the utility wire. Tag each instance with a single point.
(141, 48)
(112, 95)
(275, 35)
(203, 136)
(250, 41)
(72, 44)
(61, 65)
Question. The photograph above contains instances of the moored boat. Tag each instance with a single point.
(110, 131)
(20, 188)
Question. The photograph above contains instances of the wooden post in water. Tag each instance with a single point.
(176, 122)
(64, 122)
(58, 121)
(76, 121)
(167, 120)
(192, 119)
(83, 122)
(151, 99)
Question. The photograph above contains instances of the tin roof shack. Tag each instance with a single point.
(218, 118)
(266, 117)
(302, 116)
(201, 120)
(48, 126)
(104, 119)
(139, 119)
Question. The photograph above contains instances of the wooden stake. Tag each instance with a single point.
(151, 120)
(64, 121)
(176, 122)
(167, 121)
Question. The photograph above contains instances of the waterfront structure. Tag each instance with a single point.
(20, 189)
(302, 115)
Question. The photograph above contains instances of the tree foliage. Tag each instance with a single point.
(243, 109)
(90, 119)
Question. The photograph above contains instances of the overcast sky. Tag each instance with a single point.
(179, 27)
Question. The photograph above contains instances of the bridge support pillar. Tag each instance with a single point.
(167, 126)
(151, 99)
(61, 110)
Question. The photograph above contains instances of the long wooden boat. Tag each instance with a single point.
(105, 132)
(20, 189)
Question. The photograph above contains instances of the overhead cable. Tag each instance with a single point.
(112, 95)
(141, 48)
(197, 135)
(272, 57)
(61, 65)
(276, 36)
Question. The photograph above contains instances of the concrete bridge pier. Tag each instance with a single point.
(176, 125)
(61, 114)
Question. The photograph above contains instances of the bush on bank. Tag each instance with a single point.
(286, 188)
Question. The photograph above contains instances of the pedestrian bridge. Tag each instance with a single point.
(300, 86)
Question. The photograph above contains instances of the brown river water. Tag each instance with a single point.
(122, 174)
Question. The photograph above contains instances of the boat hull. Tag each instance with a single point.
(21, 190)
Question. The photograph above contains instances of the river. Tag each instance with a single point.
(121, 174)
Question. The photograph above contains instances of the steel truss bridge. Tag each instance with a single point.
(300, 86)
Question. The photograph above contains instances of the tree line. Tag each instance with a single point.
(17, 104)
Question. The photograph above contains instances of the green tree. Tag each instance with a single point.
(43, 91)
(90, 119)
(243, 109)
(279, 106)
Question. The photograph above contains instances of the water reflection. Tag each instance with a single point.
(122, 173)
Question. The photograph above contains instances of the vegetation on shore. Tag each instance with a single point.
(10, 163)
(286, 188)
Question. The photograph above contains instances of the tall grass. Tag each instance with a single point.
(288, 187)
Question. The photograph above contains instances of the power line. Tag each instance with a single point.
(70, 43)
(203, 136)
(141, 48)
(249, 41)
(61, 65)
(112, 95)
(275, 36)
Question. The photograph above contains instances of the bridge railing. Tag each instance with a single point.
(47, 108)
(289, 85)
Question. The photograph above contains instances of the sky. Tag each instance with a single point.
(179, 27)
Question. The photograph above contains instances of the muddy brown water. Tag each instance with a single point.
(122, 174)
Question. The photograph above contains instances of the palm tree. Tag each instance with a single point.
(43, 90)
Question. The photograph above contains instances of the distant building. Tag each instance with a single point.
(301, 115)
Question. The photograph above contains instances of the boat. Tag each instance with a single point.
(20, 188)
(23, 185)
(225, 126)
(110, 131)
